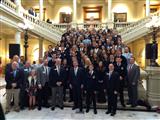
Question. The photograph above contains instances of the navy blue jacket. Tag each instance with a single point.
(112, 84)
(77, 80)
(9, 77)
(54, 77)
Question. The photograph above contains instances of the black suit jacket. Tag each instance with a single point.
(121, 70)
(9, 77)
(91, 81)
(54, 77)
(124, 60)
(77, 80)
(112, 84)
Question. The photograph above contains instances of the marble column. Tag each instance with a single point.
(18, 6)
(41, 9)
(147, 7)
(109, 10)
(40, 47)
(74, 11)
(18, 37)
(110, 22)
(153, 85)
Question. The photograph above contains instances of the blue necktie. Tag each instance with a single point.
(14, 73)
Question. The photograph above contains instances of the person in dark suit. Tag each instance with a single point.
(2, 117)
(9, 65)
(121, 69)
(76, 84)
(100, 71)
(124, 60)
(43, 87)
(112, 87)
(50, 50)
(90, 86)
(23, 94)
(32, 12)
(56, 81)
(66, 79)
(51, 62)
(133, 77)
(13, 82)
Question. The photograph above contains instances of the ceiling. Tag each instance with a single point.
(9, 32)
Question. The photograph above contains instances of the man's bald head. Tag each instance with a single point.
(14, 65)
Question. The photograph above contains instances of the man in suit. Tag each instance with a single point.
(133, 77)
(9, 65)
(51, 62)
(121, 69)
(2, 116)
(112, 87)
(13, 82)
(124, 60)
(90, 86)
(76, 84)
(23, 95)
(50, 51)
(56, 80)
(43, 87)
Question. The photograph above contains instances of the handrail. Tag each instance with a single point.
(135, 24)
(9, 4)
(137, 29)
(46, 27)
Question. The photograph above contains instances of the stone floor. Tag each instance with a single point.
(68, 114)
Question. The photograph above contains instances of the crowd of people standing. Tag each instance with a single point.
(91, 64)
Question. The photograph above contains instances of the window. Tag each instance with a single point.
(120, 17)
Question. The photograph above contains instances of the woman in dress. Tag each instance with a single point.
(32, 88)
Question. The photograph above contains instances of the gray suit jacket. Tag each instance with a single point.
(133, 74)
(42, 78)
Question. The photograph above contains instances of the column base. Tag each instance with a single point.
(153, 85)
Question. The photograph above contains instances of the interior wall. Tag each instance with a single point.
(135, 8)
(138, 50)
(33, 49)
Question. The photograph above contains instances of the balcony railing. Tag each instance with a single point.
(137, 29)
(41, 28)
(117, 25)
(8, 4)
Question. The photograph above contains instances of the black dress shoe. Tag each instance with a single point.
(95, 111)
(133, 106)
(61, 108)
(80, 111)
(70, 101)
(128, 103)
(148, 108)
(87, 110)
(7, 111)
(39, 108)
(112, 114)
(22, 108)
(47, 106)
(74, 108)
(52, 108)
(108, 112)
(123, 105)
